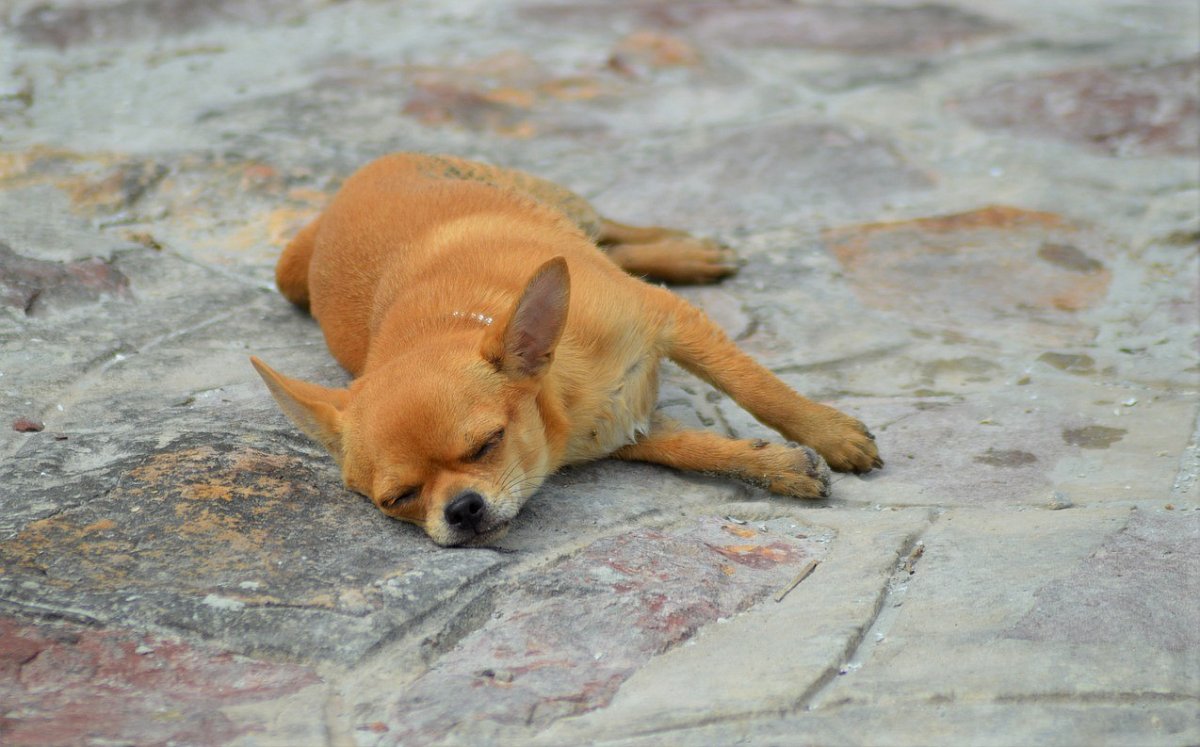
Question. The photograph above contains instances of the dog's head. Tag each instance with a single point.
(448, 433)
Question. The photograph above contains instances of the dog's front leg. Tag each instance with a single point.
(795, 471)
(693, 341)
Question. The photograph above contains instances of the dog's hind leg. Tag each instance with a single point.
(657, 253)
(291, 272)
(796, 471)
(666, 254)
(693, 341)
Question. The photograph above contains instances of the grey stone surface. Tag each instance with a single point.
(973, 225)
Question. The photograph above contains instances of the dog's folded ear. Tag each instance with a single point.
(317, 410)
(526, 345)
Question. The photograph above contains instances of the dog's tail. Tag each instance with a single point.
(291, 272)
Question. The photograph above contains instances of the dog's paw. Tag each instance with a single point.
(795, 471)
(677, 258)
(699, 261)
(848, 446)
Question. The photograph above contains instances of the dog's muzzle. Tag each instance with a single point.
(472, 521)
(467, 513)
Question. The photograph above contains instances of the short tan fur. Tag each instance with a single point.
(496, 334)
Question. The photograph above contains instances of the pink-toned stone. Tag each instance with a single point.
(1001, 269)
(855, 29)
(1144, 111)
(1142, 584)
(64, 684)
(502, 94)
(561, 640)
(30, 284)
(68, 24)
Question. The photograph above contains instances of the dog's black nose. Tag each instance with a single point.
(466, 511)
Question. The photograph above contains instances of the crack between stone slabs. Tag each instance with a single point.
(729, 429)
(860, 646)
(852, 649)
(803, 504)
(1067, 699)
(1189, 463)
(420, 642)
(57, 511)
(427, 625)
(337, 732)
(71, 391)
(221, 273)
(44, 612)
(1100, 698)
(867, 356)
(465, 617)
(429, 630)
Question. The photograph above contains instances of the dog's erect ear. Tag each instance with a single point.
(315, 409)
(526, 346)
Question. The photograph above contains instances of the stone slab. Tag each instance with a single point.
(68, 684)
(931, 725)
(770, 659)
(1147, 110)
(1039, 604)
(973, 227)
(1047, 606)
(561, 639)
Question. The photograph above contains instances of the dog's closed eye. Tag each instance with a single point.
(400, 496)
(485, 448)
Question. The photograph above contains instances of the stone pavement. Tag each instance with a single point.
(972, 224)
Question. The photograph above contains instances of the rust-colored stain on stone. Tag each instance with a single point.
(758, 556)
(199, 509)
(28, 425)
(117, 189)
(987, 266)
(196, 191)
(1003, 217)
(498, 94)
(641, 53)
(97, 183)
(738, 531)
(65, 684)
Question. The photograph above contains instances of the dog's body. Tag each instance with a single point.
(493, 342)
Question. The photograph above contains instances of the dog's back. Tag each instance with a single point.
(409, 239)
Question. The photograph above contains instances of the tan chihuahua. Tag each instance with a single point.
(495, 336)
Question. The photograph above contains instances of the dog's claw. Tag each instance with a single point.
(817, 469)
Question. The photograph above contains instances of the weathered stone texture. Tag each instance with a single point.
(560, 640)
(863, 29)
(65, 684)
(1142, 111)
(1142, 584)
(188, 536)
(1001, 269)
(971, 225)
